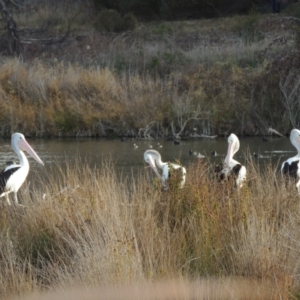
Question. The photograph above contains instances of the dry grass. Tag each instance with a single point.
(61, 100)
(97, 232)
(228, 288)
(107, 84)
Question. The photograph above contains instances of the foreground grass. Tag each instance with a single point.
(93, 230)
(227, 288)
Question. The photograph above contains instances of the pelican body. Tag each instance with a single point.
(153, 158)
(291, 167)
(231, 166)
(14, 175)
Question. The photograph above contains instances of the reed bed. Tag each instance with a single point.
(75, 101)
(159, 75)
(88, 228)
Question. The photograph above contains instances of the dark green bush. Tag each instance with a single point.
(109, 20)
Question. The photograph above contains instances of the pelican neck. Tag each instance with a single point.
(22, 157)
(159, 163)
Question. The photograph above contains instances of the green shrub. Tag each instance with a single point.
(110, 20)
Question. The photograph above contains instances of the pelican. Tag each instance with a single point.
(14, 175)
(233, 167)
(153, 158)
(291, 166)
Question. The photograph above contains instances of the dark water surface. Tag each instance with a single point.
(129, 160)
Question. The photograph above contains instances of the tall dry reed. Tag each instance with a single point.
(84, 226)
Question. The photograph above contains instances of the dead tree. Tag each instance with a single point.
(14, 41)
(11, 36)
(145, 133)
(185, 109)
(290, 88)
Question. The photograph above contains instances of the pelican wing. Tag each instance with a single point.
(4, 177)
(236, 169)
(241, 176)
(175, 170)
(290, 169)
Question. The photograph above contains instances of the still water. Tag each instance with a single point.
(129, 160)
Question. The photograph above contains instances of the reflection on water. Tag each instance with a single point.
(127, 156)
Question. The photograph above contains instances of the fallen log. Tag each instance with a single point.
(271, 130)
(195, 135)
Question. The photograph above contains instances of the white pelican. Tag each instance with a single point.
(291, 166)
(233, 167)
(14, 175)
(153, 158)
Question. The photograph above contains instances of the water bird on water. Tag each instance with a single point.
(214, 153)
(232, 167)
(291, 167)
(135, 146)
(14, 175)
(153, 158)
(199, 155)
(257, 155)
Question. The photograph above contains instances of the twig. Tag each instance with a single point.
(271, 130)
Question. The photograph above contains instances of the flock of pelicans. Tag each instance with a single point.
(230, 167)
(14, 175)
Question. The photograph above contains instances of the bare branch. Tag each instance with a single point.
(290, 88)
(271, 130)
(13, 40)
(187, 108)
(195, 135)
(146, 132)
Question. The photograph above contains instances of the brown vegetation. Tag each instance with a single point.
(239, 72)
(91, 229)
(85, 227)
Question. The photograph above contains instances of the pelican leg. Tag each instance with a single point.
(7, 199)
(16, 199)
(298, 186)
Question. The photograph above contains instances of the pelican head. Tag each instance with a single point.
(295, 139)
(153, 158)
(18, 142)
(233, 147)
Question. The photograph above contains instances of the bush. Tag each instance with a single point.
(110, 20)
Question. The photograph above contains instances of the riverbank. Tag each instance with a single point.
(161, 79)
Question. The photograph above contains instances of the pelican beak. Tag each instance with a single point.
(229, 154)
(153, 167)
(24, 146)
